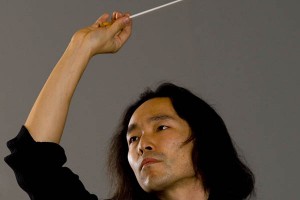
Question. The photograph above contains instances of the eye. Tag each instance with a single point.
(133, 139)
(162, 127)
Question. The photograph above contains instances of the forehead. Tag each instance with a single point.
(152, 107)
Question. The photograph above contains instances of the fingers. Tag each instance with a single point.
(111, 37)
(101, 20)
(121, 22)
(121, 31)
(117, 15)
(126, 31)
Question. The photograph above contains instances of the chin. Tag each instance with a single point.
(151, 188)
(154, 184)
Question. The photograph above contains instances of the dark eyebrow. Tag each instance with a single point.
(158, 117)
(131, 128)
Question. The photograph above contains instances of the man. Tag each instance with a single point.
(176, 147)
(168, 145)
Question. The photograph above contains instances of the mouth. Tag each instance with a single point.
(148, 161)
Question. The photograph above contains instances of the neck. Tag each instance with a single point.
(191, 189)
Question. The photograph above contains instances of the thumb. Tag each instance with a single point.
(119, 24)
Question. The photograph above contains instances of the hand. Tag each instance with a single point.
(99, 39)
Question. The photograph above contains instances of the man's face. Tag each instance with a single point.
(156, 153)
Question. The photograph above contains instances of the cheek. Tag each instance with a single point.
(181, 154)
(186, 157)
(132, 159)
(170, 143)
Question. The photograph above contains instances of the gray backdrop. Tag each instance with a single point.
(240, 56)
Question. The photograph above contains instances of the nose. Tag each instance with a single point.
(145, 144)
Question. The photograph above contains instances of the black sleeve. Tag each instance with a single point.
(39, 170)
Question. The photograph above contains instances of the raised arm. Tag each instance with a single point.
(48, 115)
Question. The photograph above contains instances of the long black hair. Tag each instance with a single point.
(215, 159)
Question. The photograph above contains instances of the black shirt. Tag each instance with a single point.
(39, 170)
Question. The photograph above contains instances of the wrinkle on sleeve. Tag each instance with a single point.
(38, 167)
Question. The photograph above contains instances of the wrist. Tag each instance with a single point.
(77, 44)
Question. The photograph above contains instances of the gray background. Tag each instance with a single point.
(240, 56)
